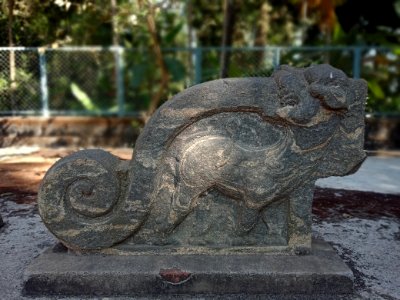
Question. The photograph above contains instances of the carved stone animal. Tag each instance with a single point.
(257, 141)
(314, 120)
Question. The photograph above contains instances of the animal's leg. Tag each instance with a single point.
(275, 217)
(300, 220)
(182, 204)
(253, 201)
(247, 218)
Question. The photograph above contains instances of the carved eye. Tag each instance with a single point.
(287, 97)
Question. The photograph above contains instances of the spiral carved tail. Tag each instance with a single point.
(82, 201)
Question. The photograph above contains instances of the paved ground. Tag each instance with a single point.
(378, 174)
(363, 227)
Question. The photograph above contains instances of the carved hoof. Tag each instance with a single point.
(81, 201)
(248, 218)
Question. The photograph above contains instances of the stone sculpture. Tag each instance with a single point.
(224, 166)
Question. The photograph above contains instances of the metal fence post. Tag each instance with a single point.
(198, 57)
(44, 88)
(277, 58)
(357, 62)
(119, 65)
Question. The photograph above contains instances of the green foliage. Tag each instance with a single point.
(382, 72)
(36, 23)
(83, 98)
(3, 83)
(23, 93)
(258, 22)
(376, 90)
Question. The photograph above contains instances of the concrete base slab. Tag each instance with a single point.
(61, 273)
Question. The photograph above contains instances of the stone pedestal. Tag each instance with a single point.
(62, 273)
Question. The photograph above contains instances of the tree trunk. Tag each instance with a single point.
(262, 29)
(115, 33)
(156, 45)
(190, 41)
(13, 83)
(227, 36)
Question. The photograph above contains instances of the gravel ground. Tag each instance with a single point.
(370, 246)
(377, 174)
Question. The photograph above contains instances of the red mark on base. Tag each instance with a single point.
(174, 276)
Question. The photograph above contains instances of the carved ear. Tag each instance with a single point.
(296, 105)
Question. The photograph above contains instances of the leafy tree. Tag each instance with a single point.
(146, 28)
(360, 23)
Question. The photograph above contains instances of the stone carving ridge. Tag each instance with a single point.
(227, 163)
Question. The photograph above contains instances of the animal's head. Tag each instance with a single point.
(326, 111)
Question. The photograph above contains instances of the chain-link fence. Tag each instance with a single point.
(19, 81)
(81, 80)
(118, 81)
